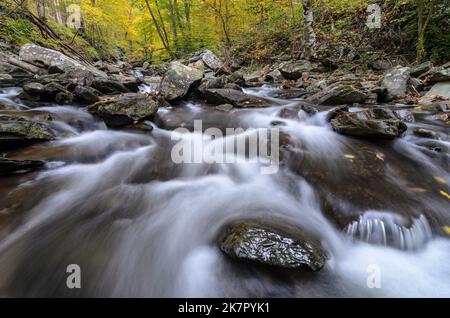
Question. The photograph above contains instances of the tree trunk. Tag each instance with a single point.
(158, 30)
(310, 35)
(174, 23)
(422, 24)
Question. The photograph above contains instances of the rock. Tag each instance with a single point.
(79, 76)
(295, 69)
(405, 115)
(14, 71)
(124, 110)
(145, 66)
(381, 65)
(234, 97)
(225, 107)
(275, 76)
(57, 68)
(440, 74)
(439, 90)
(109, 87)
(371, 123)
(236, 78)
(425, 133)
(257, 77)
(292, 112)
(18, 131)
(340, 93)
(421, 69)
(33, 88)
(288, 93)
(253, 243)
(179, 81)
(44, 57)
(416, 84)
(85, 95)
(212, 61)
(55, 92)
(8, 166)
(5, 77)
(396, 81)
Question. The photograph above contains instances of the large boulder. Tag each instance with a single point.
(439, 90)
(440, 74)
(44, 57)
(124, 110)
(212, 61)
(8, 166)
(396, 81)
(234, 97)
(340, 93)
(257, 244)
(295, 69)
(19, 131)
(179, 81)
(370, 123)
(109, 87)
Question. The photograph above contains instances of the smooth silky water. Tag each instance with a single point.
(140, 225)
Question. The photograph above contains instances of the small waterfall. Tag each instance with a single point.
(389, 230)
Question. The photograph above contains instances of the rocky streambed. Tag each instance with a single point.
(87, 178)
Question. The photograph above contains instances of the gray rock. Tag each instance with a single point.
(109, 87)
(17, 131)
(5, 77)
(421, 69)
(234, 97)
(85, 95)
(439, 90)
(8, 166)
(371, 123)
(396, 81)
(275, 76)
(257, 244)
(340, 93)
(405, 115)
(179, 81)
(440, 74)
(212, 61)
(124, 110)
(225, 107)
(44, 57)
(295, 69)
(57, 68)
(34, 88)
(14, 71)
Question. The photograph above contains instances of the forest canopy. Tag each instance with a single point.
(159, 30)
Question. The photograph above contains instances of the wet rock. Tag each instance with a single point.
(396, 81)
(340, 93)
(33, 88)
(124, 110)
(85, 95)
(292, 112)
(18, 131)
(8, 166)
(254, 243)
(294, 70)
(225, 107)
(371, 123)
(425, 133)
(234, 97)
(109, 87)
(421, 69)
(212, 61)
(179, 81)
(405, 115)
(44, 57)
(288, 93)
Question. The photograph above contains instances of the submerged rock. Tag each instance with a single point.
(254, 243)
(179, 80)
(371, 123)
(234, 97)
(124, 110)
(8, 166)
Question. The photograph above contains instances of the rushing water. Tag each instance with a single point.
(138, 224)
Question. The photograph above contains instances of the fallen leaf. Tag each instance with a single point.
(440, 180)
(445, 194)
(380, 156)
(446, 229)
(417, 190)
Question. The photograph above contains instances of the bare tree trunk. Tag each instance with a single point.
(310, 35)
(58, 16)
(422, 24)
(158, 29)
(174, 23)
(41, 10)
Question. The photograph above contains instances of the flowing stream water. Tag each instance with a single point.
(139, 225)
